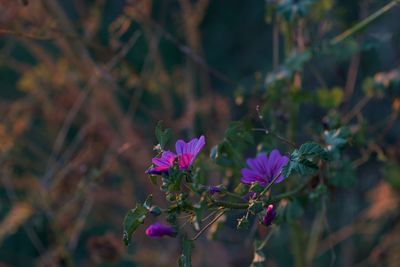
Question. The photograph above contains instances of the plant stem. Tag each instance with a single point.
(264, 242)
(232, 194)
(266, 131)
(362, 24)
(227, 204)
(208, 225)
(269, 185)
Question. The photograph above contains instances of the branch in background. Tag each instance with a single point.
(362, 24)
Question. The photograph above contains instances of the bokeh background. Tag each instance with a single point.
(84, 83)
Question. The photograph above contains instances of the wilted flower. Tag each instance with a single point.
(263, 169)
(186, 153)
(159, 230)
(269, 216)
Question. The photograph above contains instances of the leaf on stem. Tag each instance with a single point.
(133, 219)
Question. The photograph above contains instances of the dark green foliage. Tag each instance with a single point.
(304, 160)
(133, 219)
(236, 138)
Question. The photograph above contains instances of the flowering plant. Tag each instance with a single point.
(251, 188)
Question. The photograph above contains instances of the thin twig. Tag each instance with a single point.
(208, 225)
(32, 235)
(73, 112)
(230, 205)
(356, 109)
(362, 24)
(269, 185)
(24, 35)
(190, 53)
(267, 131)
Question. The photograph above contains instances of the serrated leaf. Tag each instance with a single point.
(302, 168)
(185, 260)
(303, 161)
(312, 150)
(133, 219)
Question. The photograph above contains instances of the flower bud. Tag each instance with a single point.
(269, 216)
(159, 230)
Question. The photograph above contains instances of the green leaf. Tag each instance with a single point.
(133, 219)
(185, 260)
(304, 160)
(300, 167)
(313, 150)
(163, 136)
(229, 153)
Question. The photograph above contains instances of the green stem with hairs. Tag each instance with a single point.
(230, 205)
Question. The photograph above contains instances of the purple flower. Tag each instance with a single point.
(269, 216)
(163, 163)
(159, 230)
(186, 153)
(215, 189)
(263, 169)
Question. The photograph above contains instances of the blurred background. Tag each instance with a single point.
(84, 83)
